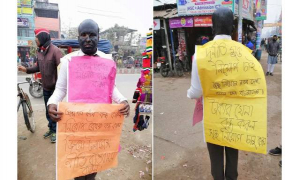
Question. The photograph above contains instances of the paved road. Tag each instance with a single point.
(179, 150)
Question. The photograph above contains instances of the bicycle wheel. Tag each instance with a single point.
(28, 117)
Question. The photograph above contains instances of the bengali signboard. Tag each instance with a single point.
(22, 43)
(236, 7)
(202, 7)
(24, 2)
(181, 22)
(235, 96)
(156, 24)
(23, 22)
(202, 21)
(247, 9)
(261, 9)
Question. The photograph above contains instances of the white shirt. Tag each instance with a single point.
(195, 90)
(61, 84)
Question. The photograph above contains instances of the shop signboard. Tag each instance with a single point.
(236, 7)
(25, 2)
(248, 9)
(22, 43)
(23, 22)
(261, 9)
(202, 7)
(156, 24)
(181, 22)
(202, 21)
(26, 10)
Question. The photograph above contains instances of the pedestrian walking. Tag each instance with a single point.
(88, 39)
(48, 58)
(273, 50)
(262, 44)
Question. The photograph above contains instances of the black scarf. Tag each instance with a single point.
(44, 40)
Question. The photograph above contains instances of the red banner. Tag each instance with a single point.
(202, 21)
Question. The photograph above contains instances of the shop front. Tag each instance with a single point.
(188, 32)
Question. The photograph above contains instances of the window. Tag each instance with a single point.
(46, 13)
(54, 34)
(25, 32)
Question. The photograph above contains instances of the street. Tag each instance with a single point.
(36, 155)
(179, 150)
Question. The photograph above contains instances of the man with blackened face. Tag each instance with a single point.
(88, 37)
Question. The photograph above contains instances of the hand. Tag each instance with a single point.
(125, 110)
(22, 68)
(53, 113)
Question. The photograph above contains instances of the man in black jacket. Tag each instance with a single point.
(273, 50)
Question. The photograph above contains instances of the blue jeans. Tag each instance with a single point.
(51, 124)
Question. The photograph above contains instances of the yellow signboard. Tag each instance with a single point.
(235, 96)
(27, 10)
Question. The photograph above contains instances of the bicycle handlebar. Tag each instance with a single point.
(22, 82)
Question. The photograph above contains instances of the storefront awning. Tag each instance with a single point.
(251, 23)
(165, 14)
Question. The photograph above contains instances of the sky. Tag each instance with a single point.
(134, 14)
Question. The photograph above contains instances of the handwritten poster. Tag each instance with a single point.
(235, 96)
(88, 138)
(91, 79)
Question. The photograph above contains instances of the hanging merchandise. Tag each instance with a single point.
(149, 43)
(182, 44)
(143, 94)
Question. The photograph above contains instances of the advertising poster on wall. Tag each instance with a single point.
(248, 9)
(156, 24)
(261, 9)
(200, 7)
(23, 22)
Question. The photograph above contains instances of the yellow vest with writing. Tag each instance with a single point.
(235, 96)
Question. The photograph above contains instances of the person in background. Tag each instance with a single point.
(249, 43)
(262, 44)
(277, 152)
(273, 50)
(48, 58)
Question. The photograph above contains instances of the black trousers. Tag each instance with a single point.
(87, 177)
(51, 124)
(216, 154)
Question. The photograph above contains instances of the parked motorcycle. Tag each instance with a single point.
(35, 85)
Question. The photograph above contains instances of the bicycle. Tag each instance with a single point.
(27, 108)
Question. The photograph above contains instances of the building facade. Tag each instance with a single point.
(26, 26)
(47, 16)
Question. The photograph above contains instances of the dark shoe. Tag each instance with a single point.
(271, 74)
(48, 134)
(267, 73)
(275, 152)
(53, 137)
(280, 163)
